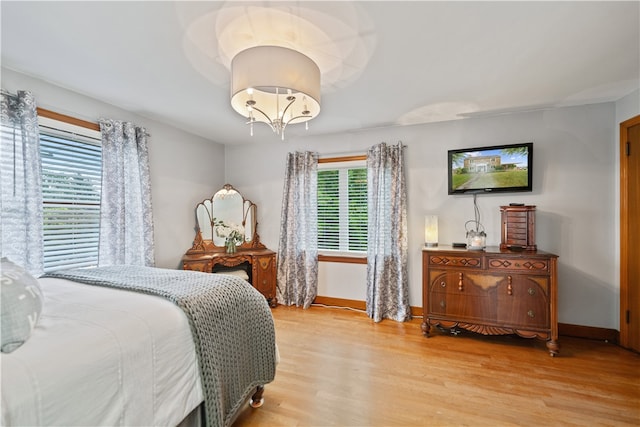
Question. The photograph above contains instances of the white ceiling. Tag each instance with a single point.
(383, 63)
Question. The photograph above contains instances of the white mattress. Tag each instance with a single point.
(101, 356)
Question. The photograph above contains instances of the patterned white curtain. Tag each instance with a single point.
(298, 247)
(387, 282)
(21, 183)
(126, 221)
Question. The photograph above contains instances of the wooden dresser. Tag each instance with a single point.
(492, 292)
(260, 265)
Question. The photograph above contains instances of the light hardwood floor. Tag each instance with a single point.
(338, 368)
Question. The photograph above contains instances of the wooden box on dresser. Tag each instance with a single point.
(261, 267)
(493, 291)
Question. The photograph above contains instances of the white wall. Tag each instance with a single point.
(574, 191)
(575, 188)
(185, 169)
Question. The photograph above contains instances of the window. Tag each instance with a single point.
(342, 206)
(71, 158)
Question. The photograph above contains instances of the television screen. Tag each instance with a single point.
(499, 168)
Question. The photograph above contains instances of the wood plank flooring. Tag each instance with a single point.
(338, 368)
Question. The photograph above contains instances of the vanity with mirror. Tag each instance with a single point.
(227, 241)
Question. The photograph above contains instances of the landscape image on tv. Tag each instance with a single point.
(501, 168)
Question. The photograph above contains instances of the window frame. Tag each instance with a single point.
(350, 257)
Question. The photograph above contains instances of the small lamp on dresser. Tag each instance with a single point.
(431, 231)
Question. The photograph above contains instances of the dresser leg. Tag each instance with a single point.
(554, 348)
(425, 328)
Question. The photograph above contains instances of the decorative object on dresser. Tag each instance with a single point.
(518, 227)
(492, 292)
(476, 236)
(210, 252)
(431, 231)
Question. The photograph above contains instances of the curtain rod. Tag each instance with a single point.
(68, 119)
(342, 158)
(347, 156)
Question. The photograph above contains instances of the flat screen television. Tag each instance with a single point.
(493, 169)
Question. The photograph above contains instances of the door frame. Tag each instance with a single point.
(624, 229)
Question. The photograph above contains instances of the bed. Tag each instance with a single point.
(103, 355)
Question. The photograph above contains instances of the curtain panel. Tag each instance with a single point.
(387, 281)
(298, 247)
(21, 183)
(126, 220)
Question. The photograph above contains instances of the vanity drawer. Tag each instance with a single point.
(204, 265)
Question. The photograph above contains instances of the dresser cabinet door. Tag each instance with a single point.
(523, 301)
(264, 279)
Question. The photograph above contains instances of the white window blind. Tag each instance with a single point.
(71, 187)
(342, 208)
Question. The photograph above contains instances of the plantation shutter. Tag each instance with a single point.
(358, 209)
(342, 209)
(71, 187)
(328, 209)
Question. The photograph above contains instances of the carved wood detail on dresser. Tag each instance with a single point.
(491, 292)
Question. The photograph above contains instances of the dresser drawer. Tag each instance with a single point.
(464, 296)
(448, 260)
(530, 265)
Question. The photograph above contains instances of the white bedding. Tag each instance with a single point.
(102, 356)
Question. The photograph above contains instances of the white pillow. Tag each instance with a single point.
(21, 305)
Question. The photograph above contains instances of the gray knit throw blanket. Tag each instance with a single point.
(230, 321)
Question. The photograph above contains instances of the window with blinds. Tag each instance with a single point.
(71, 187)
(342, 207)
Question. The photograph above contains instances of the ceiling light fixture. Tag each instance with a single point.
(275, 85)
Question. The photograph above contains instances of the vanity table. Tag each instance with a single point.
(209, 252)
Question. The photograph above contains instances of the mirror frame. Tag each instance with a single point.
(249, 209)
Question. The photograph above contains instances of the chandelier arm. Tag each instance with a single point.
(287, 107)
(263, 113)
(298, 117)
